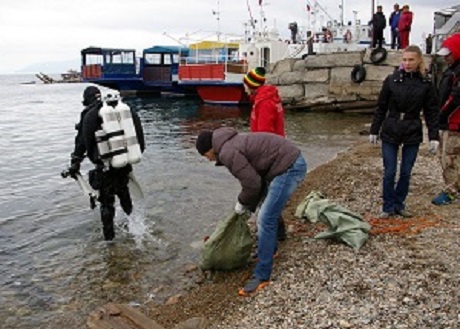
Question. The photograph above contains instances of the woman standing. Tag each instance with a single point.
(404, 95)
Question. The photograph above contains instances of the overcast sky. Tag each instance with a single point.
(34, 31)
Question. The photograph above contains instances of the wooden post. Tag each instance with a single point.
(119, 316)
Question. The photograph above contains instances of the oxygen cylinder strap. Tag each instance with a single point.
(114, 134)
(113, 153)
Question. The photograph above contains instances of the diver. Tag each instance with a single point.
(104, 140)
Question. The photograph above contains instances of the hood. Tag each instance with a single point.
(266, 92)
(453, 44)
(220, 136)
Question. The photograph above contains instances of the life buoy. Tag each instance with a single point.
(378, 55)
(358, 74)
(117, 142)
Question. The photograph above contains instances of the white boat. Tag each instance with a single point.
(216, 69)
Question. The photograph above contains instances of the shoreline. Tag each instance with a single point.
(326, 284)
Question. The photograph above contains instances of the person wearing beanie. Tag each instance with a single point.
(256, 159)
(109, 182)
(267, 113)
(449, 120)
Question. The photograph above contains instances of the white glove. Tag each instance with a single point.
(239, 208)
(373, 139)
(434, 146)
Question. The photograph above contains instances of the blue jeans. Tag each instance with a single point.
(394, 195)
(279, 192)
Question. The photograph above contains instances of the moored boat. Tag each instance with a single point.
(154, 73)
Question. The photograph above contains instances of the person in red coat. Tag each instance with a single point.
(267, 114)
(404, 26)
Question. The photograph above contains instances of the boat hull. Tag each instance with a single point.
(227, 94)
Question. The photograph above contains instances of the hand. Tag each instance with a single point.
(434, 146)
(373, 139)
(239, 208)
(74, 169)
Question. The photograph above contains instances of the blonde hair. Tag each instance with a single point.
(418, 51)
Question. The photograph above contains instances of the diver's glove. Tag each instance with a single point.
(74, 168)
(373, 139)
(434, 146)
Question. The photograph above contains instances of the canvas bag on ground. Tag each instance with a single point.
(229, 247)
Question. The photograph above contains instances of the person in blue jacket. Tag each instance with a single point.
(394, 20)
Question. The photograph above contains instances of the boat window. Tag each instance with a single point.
(175, 58)
(152, 58)
(93, 59)
(119, 57)
(167, 59)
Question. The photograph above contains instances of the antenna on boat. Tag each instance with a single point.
(341, 13)
(217, 13)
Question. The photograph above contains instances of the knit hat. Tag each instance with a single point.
(255, 78)
(204, 142)
(451, 46)
(91, 94)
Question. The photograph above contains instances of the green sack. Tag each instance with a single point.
(229, 247)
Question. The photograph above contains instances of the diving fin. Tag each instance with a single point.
(134, 187)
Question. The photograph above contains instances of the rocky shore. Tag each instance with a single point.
(405, 276)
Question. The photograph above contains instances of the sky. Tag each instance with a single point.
(38, 31)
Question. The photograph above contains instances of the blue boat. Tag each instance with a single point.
(154, 73)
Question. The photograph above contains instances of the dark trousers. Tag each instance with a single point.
(377, 38)
(395, 39)
(394, 195)
(114, 182)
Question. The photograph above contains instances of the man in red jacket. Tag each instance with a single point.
(267, 114)
(404, 26)
(449, 120)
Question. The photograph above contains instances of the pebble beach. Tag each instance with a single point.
(405, 276)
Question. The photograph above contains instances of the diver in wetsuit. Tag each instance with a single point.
(108, 180)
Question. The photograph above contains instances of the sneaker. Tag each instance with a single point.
(385, 215)
(252, 286)
(404, 213)
(442, 199)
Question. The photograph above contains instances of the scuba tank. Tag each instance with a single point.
(127, 124)
(103, 147)
(114, 134)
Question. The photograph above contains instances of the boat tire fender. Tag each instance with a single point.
(378, 55)
(304, 56)
(358, 74)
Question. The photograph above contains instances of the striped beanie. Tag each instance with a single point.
(255, 78)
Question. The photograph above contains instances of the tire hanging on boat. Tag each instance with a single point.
(358, 74)
(378, 55)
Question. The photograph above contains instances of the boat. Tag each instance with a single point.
(71, 76)
(154, 73)
(216, 69)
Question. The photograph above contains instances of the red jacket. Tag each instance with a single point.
(405, 21)
(267, 114)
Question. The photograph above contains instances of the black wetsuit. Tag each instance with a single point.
(112, 182)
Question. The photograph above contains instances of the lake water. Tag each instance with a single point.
(55, 267)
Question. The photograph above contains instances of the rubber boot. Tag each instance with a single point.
(107, 215)
(125, 201)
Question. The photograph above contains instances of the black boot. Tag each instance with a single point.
(107, 215)
(281, 234)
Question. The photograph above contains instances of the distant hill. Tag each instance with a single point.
(52, 67)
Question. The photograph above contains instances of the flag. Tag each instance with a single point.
(308, 7)
(260, 2)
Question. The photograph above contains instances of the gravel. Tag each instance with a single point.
(405, 276)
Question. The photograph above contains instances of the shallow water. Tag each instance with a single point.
(55, 267)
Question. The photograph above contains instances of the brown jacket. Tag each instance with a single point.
(253, 158)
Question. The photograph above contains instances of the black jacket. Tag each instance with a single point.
(90, 122)
(379, 22)
(446, 91)
(402, 99)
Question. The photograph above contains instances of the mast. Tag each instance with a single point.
(217, 14)
(341, 13)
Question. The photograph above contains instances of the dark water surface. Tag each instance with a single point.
(55, 267)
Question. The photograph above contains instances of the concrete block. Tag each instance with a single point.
(291, 92)
(315, 90)
(284, 65)
(377, 72)
(342, 74)
(318, 75)
(348, 58)
(290, 78)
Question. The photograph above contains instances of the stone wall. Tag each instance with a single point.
(324, 80)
